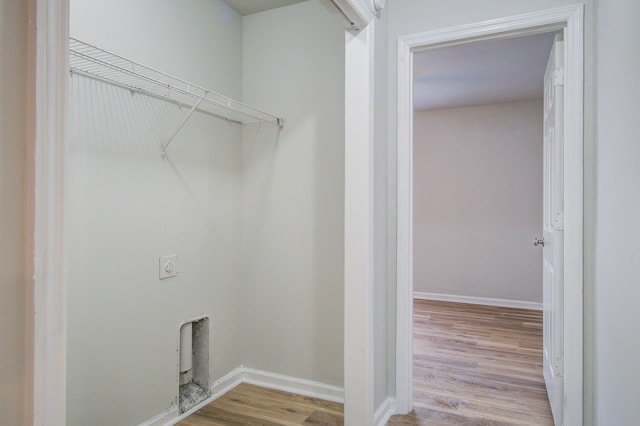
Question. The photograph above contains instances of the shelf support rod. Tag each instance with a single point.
(186, 118)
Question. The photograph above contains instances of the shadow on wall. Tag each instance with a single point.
(259, 143)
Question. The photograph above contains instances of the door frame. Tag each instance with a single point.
(358, 229)
(570, 19)
(48, 41)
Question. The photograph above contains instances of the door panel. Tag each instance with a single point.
(553, 231)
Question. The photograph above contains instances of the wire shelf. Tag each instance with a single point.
(94, 62)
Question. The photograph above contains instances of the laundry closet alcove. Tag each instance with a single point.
(252, 209)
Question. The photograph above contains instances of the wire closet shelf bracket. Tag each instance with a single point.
(97, 63)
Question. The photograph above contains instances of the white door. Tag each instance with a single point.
(552, 243)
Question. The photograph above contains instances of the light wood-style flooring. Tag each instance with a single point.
(473, 365)
(253, 405)
(476, 365)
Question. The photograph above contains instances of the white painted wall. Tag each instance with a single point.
(197, 40)
(478, 201)
(616, 251)
(13, 279)
(126, 206)
(293, 188)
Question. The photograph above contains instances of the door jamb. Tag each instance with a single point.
(49, 74)
(358, 229)
(571, 20)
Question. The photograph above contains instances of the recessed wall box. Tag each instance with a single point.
(168, 266)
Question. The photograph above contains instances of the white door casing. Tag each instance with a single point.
(569, 19)
(358, 229)
(553, 213)
(50, 72)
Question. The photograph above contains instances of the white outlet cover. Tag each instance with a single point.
(168, 266)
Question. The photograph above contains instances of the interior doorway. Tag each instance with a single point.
(478, 191)
(477, 176)
(569, 22)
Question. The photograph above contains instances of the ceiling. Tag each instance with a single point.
(247, 7)
(480, 73)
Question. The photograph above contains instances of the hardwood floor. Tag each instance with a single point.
(476, 365)
(473, 365)
(253, 405)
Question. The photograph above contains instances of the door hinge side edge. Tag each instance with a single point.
(558, 76)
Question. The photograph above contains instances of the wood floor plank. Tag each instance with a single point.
(473, 365)
(434, 417)
(325, 418)
(477, 365)
(292, 399)
(248, 404)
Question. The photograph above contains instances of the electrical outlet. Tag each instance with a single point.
(168, 266)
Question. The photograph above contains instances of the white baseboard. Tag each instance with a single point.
(226, 383)
(384, 412)
(162, 419)
(259, 378)
(504, 303)
(293, 384)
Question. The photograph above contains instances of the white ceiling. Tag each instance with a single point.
(481, 73)
(247, 7)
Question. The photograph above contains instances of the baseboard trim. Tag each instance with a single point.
(260, 378)
(293, 384)
(226, 383)
(504, 303)
(165, 418)
(384, 412)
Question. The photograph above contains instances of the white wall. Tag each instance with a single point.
(293, 188)
(616, 251)
(197, 40)
(13, 279)
(126, 206)
(478, 201)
